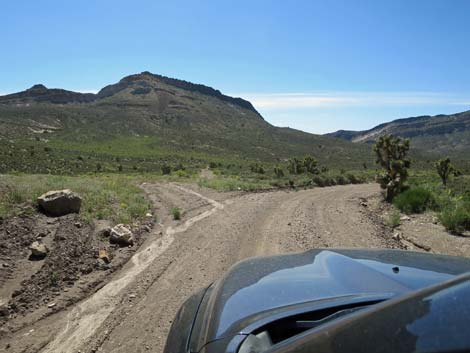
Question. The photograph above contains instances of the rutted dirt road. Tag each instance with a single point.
(134, 310)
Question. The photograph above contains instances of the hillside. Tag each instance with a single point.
(432, 135)
(145, 120)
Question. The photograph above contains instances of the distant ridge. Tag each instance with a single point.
(444, 134)
(41, 93)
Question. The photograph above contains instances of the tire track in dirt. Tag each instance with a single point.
(88, 316)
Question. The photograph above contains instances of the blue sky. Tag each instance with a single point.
(314, 65)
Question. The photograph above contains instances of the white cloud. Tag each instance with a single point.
(86, 90)
(280, 101)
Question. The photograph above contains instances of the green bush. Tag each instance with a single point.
(166, 169)
(456, 217)
(318, 180)
(353, 179)
(341, 180)
(176, 213)
(414, 200)
(394, 219)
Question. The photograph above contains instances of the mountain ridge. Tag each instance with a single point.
(439, 134)
(41, 93)
(152, 117)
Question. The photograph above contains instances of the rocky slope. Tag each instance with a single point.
(440, 134)
(155, 116)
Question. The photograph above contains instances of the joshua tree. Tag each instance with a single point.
(310, 165)
(295, 166)
(391, 156)
(278, 172)
(444, 169)
(298, 166)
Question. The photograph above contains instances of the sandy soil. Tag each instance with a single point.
(133, 311)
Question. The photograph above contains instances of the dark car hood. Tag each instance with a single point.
(258, 287)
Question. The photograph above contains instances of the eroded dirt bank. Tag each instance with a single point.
(134, 310)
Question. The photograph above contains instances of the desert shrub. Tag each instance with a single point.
(332, 181)
(456, 217)
(306, 182)
(166, 169)
(341, 180)
(212, 165)
(279, 172)
(394, 219)
(179, 166)
(414, 200)
(257, 168)
(176, 213)
(318, 180)
(181, 174)
(54, 279)
(353, 179)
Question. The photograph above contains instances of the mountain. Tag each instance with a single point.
(432, 135)
(151, 119)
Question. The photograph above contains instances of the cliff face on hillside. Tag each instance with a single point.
(443, 134)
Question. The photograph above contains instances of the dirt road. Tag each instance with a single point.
(134, 310)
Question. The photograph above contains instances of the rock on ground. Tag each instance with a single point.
(38, 250)
(60, 202)
(121, 235)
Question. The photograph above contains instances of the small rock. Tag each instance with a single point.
(289, 223)
(60, 202)
(396, 236)
(41, 235)
(16, 293)
(149, 215)
(38, 250)
(101, 265)
(147, 228)
(4, 311)
(121, 235)
(103, 255)
(51, 305)
(77, 224)
(132, 296)
(405, 218)
(364, 204)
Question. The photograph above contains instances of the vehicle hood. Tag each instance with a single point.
(261, 287)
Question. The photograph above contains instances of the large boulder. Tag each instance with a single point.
(121, 235)
(38, 250)
(60, 202)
